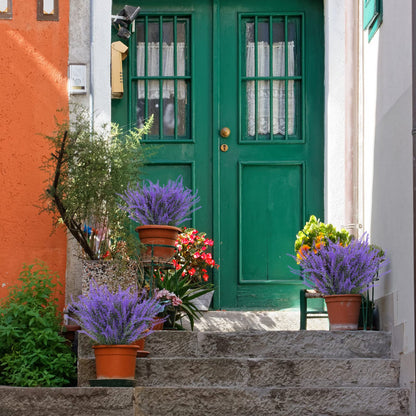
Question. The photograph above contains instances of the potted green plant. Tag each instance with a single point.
(160, 209)
(178, 294)
(192, 251)
(342, 273)
(315, 234)
(87, 167)
(115, 321)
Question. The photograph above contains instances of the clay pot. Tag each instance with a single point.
(140, 345)
(115, 361)
(160, 242)
(343, 311)
(157, 324)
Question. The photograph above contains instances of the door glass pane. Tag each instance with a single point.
(181, 49)
(263, 108)
(279, 55)
(263, 49)
(163, 74)
(168, 48)
(279, 112)
(294, 46)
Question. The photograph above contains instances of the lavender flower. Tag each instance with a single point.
(335, 269)
(115, 318)
(151, 203)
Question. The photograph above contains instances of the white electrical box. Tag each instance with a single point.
(78, 79)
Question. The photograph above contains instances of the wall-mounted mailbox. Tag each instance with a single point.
(118, 54)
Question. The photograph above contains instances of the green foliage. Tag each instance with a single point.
(186, 291)
(316, 231)
(32, 353)
(88, 167)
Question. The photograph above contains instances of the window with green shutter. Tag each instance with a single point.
(372, 16)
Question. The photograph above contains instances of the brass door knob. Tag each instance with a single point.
(225, 132)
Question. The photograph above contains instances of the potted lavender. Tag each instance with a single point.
(115, 320)
(159, 209)
(342, 273)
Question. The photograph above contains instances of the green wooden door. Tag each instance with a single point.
(257, 69)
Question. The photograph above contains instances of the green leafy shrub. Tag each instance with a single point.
(32, 353)
(87, 168)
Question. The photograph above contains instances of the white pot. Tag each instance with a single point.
(202, 302)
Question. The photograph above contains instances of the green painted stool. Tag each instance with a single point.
(305, 314)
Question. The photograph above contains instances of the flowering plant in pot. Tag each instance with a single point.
(342, 273)
(316, 234)
(194, 257)
(159, 209)
(178, 294)
(115, 320)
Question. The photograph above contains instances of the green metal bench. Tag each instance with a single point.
(305, 314)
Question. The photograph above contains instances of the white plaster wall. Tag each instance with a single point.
(101, 60)
(335, 112)
(387, 169)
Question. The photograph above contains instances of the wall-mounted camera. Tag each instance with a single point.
(123, 20)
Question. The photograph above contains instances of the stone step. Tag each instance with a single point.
(258, 372)
(162, 401)
(255, 372)
(227, 401)
(270, 344)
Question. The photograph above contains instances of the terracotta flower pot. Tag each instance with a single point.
(115, 361)
(160, 240)
(343, 311)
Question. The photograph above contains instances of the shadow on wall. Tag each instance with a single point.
(391, 196)
(391, 203)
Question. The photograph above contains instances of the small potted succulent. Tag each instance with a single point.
(342, 273)
(160, 209)
(115, 320)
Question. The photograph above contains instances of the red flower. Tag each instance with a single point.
(191, 271)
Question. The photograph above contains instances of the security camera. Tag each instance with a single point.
(126, 15)
(124, 18)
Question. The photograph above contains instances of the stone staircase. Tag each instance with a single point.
(259, 373)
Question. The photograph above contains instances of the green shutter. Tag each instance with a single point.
(371, 11)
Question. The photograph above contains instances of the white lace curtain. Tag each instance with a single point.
(263, 99)
(153, 58)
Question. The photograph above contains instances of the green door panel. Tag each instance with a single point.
(258, 69)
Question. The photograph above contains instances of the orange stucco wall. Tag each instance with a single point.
(33, 80)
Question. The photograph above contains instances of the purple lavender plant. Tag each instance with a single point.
(151, 203)
(335, 269)
(115, 318)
